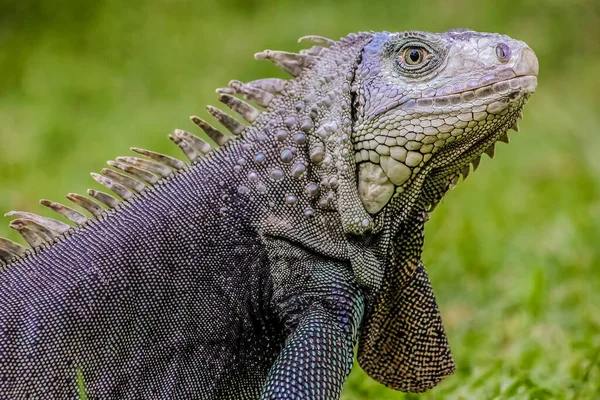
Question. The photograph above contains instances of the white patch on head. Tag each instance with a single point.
(374, 187)
(395, 170)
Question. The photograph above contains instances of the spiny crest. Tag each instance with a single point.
(131, 175)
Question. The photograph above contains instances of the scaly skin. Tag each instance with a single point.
(255, 270)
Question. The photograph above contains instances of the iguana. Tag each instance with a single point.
(252, 271)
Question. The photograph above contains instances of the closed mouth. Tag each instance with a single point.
(466, 150)
(457, 95)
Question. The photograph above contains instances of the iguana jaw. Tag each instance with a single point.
(456, 159)
(444, 172)
(462, 152)
(449, 162)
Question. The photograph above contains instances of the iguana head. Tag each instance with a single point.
(427, 105)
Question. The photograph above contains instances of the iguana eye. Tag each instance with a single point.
(503, 52)
(413, 56)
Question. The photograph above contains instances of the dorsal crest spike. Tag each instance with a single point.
(65, 211)
(32, 239)
(49, 223)
(117, 188)
(320, 40)
(198, 144)
(247, 112)
(161, 158)
(104, 198)
(124, 180)
(491, 151)
(33, 233)
(292, 63)
(259, 96)
(92, 207)
(233, 125)
(188, 150)
(476, 162)
(313, 51)
(225, 90)
(147, 165)
(10, 250)
(135, 171)
(271, 85)
(213, 133)
(465, 171)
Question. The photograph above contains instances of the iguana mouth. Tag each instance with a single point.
(469, 152)
(462, 152)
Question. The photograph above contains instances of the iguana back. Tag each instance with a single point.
(248, 272)
(140, 298)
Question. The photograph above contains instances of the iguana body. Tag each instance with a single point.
(252, 272)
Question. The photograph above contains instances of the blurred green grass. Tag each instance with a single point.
(513, 252)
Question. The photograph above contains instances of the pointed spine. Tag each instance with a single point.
(247, 112)
(476, 162)
(103, 198)
(33, 233)
(65, 211)
(465, 171)
(453, 180)
(214, 134)
(147, 165)
(10, 249)
(259, 96)
(49, 223)
(226, 120)
(90, 206)
(32, 239)
(188, 150)
(313, 51)
(124, 180)
(271, 85)
(491, 151)
(161, 158)
(135, 171)
(292, 63)
(515, 126)
(194, 141)
(320, 40)
(117, 188)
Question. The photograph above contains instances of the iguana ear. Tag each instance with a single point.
(403, 344)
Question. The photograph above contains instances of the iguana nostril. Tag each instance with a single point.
(503, 52)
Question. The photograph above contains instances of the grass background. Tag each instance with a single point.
(513, 252)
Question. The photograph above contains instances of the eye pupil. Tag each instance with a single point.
(503, 52)
(414, 55)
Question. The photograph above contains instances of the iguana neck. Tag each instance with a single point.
(295, 164)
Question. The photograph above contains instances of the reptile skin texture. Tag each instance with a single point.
(254, 270)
